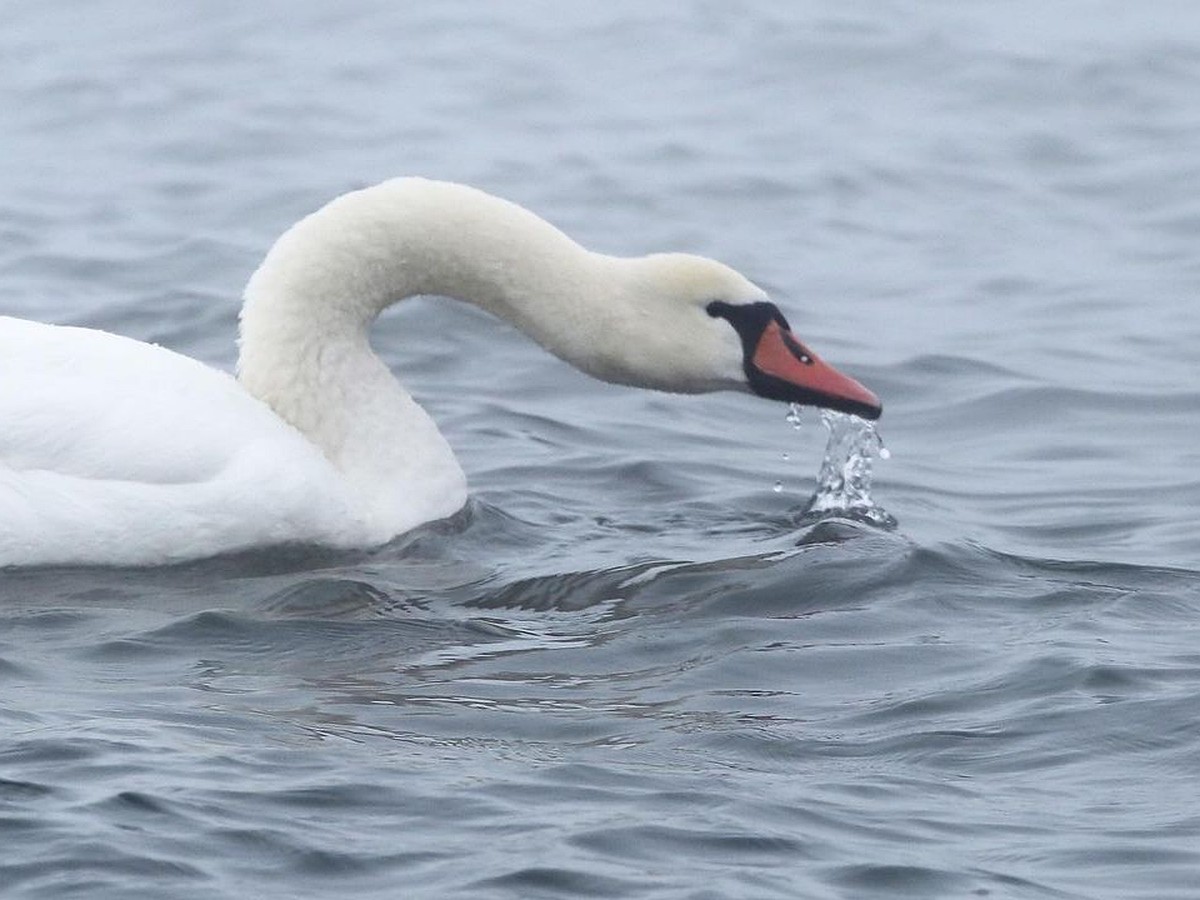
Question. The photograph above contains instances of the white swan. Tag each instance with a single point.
(118, 452)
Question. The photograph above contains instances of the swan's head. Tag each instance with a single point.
(692, 324)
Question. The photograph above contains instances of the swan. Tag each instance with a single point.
(118, 452)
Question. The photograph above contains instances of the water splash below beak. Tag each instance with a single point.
(844, 482)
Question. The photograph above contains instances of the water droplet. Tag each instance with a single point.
(786, 456)
(778, 487)
(885, 453)
(793, 416)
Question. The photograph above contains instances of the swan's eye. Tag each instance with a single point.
(718, 309)
(749, 320)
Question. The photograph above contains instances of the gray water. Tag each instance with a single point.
(631, 668)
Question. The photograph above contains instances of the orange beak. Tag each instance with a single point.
(789, 371)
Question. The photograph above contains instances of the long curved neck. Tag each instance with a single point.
(304, 347)
(329, 276)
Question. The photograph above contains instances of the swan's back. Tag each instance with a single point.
(115, 451)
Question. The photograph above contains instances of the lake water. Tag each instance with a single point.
(630, 668)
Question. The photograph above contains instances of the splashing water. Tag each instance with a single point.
(793, 417)
(844, 483)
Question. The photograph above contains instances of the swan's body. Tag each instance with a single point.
(118, 452)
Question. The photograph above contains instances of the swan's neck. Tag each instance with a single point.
(337, 269)
(304, 348)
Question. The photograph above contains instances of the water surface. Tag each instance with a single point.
(631, 668)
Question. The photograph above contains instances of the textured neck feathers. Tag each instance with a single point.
(304, 349)
(334, 271)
